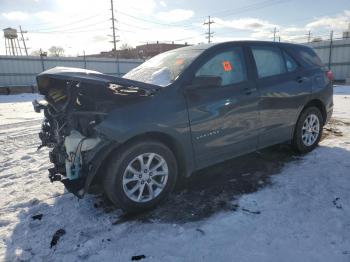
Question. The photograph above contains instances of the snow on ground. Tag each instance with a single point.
(302, 214)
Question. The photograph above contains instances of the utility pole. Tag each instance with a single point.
(113, 28)
(209, 33)
(114, 39)
(274, 34)
(23, 39)
(309, 37)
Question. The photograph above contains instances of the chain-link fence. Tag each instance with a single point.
(333, 48)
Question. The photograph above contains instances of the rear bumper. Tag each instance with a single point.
(329, 115)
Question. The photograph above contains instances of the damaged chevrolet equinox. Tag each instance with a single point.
(179, 112)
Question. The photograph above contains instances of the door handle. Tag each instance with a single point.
(248, 90)
(300, 79)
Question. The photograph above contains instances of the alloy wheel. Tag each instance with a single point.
(145, 177)
(310, 130)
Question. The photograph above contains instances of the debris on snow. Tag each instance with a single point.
(336, 203)
(37, 217)
(251, 212)
(139, 257)
(200, 231)
(58, 234)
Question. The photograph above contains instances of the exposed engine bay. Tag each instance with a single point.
(76, 101)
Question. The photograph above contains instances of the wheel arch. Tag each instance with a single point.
(318, 104)
(297, 145)
(164, 138)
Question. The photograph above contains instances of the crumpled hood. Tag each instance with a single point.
(88, 77)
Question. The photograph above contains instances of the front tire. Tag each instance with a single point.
(141, 176)
(308, 130)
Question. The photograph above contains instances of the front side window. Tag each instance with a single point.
(228, 65)
(269, 61)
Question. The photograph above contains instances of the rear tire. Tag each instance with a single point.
(140, 176)
(308, 130)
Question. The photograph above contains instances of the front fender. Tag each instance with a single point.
(165, 113)
(98, 158)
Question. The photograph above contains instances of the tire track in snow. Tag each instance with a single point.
(20, 124)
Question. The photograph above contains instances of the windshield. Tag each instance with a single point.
(163, 69)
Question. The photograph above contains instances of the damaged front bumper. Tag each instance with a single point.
(78, 162)
(76, 102)
(79, 155)
(76, 158)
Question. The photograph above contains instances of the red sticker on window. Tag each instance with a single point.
(179, 61)
(227, 66)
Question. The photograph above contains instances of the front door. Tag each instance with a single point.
(223, 118)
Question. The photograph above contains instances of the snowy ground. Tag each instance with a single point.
(267, 206)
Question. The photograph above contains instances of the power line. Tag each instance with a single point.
(135, 26)
(71, 32)
(71, 29)
(154, 22)
(255, 6)
(251, 7)
(71, 23)
(209, 33)
(191, 37)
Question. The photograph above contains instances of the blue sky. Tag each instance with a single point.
(84, 25)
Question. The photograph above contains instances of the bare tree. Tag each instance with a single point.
(35, 53)
(317, 39)
(127, 51)
(126, 46)
(56, 51)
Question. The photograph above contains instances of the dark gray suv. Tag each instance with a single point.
(180, 111)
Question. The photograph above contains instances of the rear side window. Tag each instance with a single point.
(291, 64)
(269, 61)
(229, 65)
(310, 57)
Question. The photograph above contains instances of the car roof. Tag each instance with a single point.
(203, 47)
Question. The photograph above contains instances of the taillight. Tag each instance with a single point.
(330, 75)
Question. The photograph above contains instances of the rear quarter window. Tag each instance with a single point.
(309, 57)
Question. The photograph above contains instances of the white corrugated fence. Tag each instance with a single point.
(21, 70)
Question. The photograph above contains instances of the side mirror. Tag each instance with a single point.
(205, 82)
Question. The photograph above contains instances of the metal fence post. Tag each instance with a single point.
(330, 51)
(42, 60)
(84, 61)
(118, 66)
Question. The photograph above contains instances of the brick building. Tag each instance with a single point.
(141, 51)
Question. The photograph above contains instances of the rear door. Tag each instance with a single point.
(223, 118)
(284, 88)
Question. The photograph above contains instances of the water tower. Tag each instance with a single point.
(11, 42)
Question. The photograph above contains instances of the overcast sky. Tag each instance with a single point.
(84, 25)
